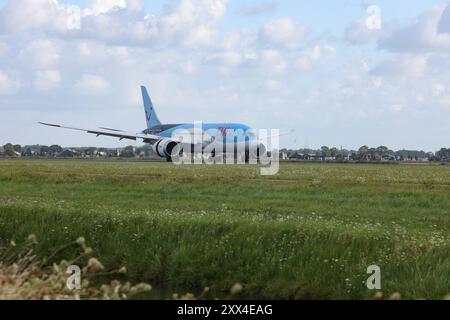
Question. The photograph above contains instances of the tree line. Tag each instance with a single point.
(364, 153)
(16, 150)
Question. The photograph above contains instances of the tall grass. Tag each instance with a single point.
(309, 232)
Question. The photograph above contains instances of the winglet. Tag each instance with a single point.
(50, 125)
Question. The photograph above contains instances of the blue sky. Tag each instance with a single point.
(310, 65)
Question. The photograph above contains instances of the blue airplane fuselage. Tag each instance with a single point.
(226, 132)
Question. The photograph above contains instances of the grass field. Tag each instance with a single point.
(309, 232)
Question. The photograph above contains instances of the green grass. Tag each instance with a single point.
(309, 232)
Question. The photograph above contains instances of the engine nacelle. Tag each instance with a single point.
(255, 150)
(261, 150)
(166, 148)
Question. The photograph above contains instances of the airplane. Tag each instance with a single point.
(169, 141)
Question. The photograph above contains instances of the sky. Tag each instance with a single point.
(335, 72)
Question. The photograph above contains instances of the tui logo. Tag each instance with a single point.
(147, 116)
(223, 131)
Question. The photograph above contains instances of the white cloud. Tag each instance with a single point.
(189, 12)
(190, 23)
(444, 22)
(92, 85)
(439, 89)
(441, 94)
(258, 8)
(44, 15)
(47, 80)
(188, 67)
(201, 36)
(313, 56)
(428, 33)
(404, 65)
(4, 49)
(228, 58)
(8, 85)
(193, 21)
(358, 32)
(98, 7)
(284, 32)
(93, 54)
(274, 85)
(41, 54)
(273, 62)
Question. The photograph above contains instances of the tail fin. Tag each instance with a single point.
(150, 114)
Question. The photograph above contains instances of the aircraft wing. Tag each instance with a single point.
(148, 138)
(269, 137)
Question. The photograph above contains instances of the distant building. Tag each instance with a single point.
(389, 157)
(296, 156)
(300, 156)
(307, 157)
(69, 153)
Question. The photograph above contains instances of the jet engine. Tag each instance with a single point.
(166, 148)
